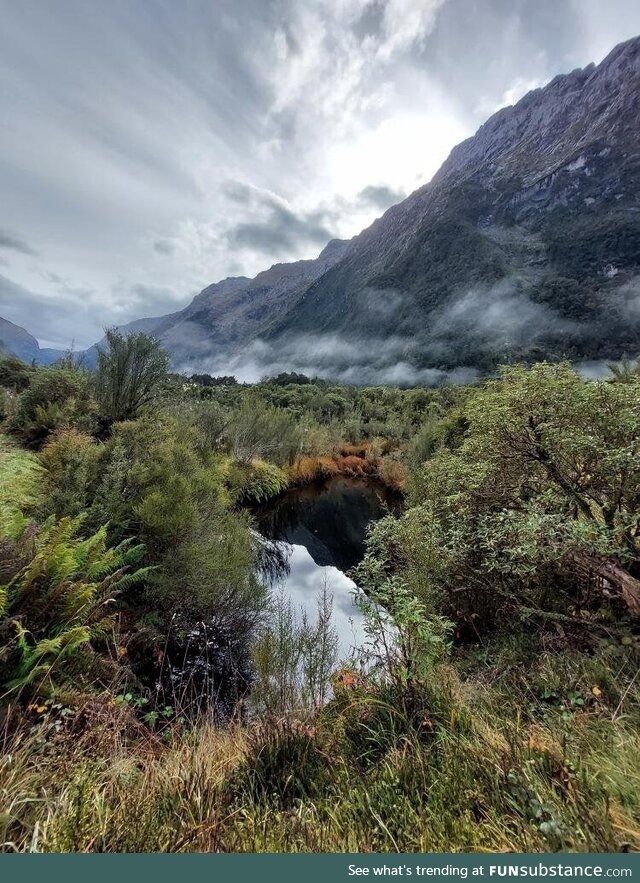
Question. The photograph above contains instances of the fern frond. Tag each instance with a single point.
(132, 579)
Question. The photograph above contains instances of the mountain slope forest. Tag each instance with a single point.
(155, 695)
(524, 246)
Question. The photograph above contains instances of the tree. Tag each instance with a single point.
(538, 504)
(129, 374)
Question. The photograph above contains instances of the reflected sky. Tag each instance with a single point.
(320, 532)
(306, 581)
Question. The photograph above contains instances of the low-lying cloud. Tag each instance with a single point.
(477, 322)
(499, 315)
(364, 361)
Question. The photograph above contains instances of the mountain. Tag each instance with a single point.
(525, 245)
(227, 314)
(15, 341)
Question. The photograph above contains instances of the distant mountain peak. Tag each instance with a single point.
(16, 341)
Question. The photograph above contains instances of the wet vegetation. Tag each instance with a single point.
(156, 696)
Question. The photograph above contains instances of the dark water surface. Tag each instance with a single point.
(320, 532)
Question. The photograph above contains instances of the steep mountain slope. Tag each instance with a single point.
(225, 315)
(526, 242)
(15, 341)
(525, 245)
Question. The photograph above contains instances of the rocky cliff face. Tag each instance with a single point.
(525, 245)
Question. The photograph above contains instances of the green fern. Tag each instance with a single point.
(54, 606)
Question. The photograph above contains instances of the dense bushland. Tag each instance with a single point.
(495, 705)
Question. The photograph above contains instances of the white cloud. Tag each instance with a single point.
(407, 22)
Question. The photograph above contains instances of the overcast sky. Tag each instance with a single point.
(150, 147)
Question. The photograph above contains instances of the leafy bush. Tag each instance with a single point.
(20, 482)
(14, 374)
(257, 481)
(58, 397)
(293, 659)
(129, 374)
(257, 431)
(69, 458)
(158, 483)
(537, 505)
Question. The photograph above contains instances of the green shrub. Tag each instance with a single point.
(159, 484)
(256, 481)
(293, 659)
(541, 492)
(69, 458)
(14, 374)
(256, 430)
(20, 481)
(130, 373)
(58, 397)
(284, 765)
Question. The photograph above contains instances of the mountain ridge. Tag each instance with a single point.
(558, 171)
(524, 245)
(17, 341)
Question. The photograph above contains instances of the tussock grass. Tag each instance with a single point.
(468, 771)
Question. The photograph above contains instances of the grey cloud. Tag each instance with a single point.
(380, 196)
(164, 246)
(277, 228)
(52, 320)
(501, 314)
(56, 320)
(281, 229)
(13, 242)
(140, 300)
(135, 173)
(241, 193)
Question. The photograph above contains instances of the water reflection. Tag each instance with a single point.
(317, 533)
(329, 520)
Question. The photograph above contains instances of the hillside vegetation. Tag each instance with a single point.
(156, 697)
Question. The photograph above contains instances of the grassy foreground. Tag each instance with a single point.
(485, 765)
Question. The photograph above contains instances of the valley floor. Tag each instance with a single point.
(504, 715)
(482, 764)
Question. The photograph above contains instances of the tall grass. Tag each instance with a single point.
(472, 772)
(20, 480)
